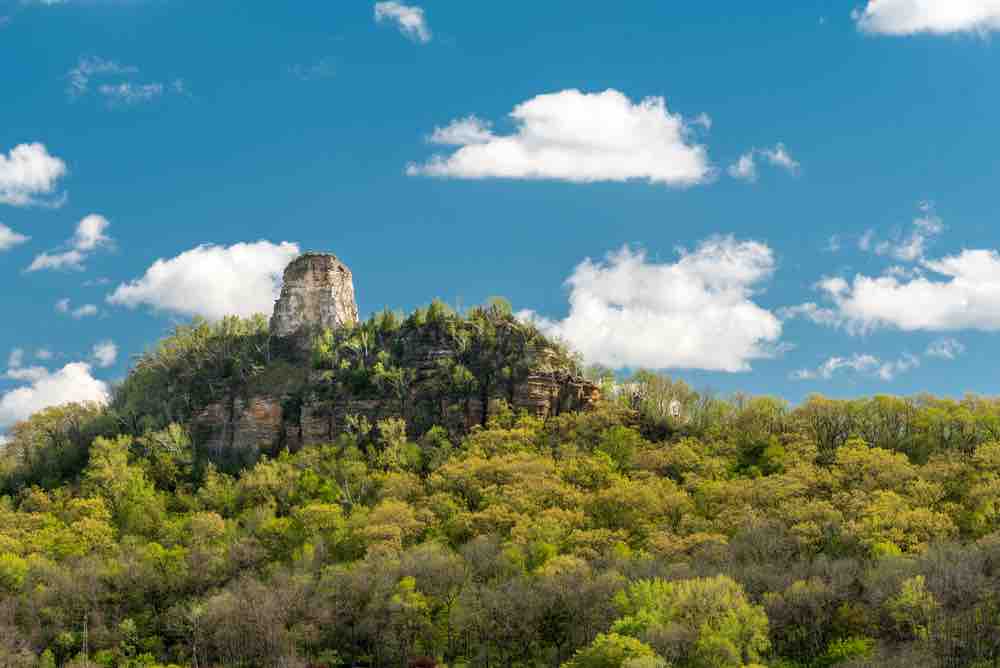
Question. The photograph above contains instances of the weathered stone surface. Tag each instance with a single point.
(243, 425)
(317, 294)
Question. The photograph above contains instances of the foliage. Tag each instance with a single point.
(740, 531)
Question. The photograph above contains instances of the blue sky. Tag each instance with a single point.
(785, 203)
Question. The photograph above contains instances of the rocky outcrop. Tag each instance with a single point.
(317, 294)
(265, 423)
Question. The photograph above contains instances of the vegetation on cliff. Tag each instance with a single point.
(741, 532)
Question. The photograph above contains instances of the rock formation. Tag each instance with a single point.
(317, 294)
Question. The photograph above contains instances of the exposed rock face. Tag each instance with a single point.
(317, 294)
(240, 425)
(263, 423)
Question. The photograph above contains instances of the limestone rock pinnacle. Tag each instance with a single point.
(317, 294)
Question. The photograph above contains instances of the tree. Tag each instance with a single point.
(132, 499)
(615, 651)
(701, 623)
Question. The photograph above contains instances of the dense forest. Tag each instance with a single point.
(736, 532)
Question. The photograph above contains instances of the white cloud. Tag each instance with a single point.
(71, 384)
(71, 259)
(16, 358)
(745, 168)
(89, 237)
(857, 362)
(465, 131)
(9, 238)
(861, 364)
(212, 281)
(946, 348)
(780, 157)
(28, 172)
(578, 137)
(964, 294)
(90, 233)
(909, 17)
(410, 19)
(695, 313)
(44, 354)
(105, 354)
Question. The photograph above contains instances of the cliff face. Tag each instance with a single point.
(265, 422)
(318, 295)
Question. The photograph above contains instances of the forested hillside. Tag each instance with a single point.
(741, 532)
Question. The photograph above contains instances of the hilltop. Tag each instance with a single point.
(246, 387)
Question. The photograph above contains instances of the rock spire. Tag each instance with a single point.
(317, 294)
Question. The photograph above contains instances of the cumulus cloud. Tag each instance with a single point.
(90, 233)
(105, 353)
(212, 281)
(909, 17)
(859, 363)
(578, 137)
(42, 389)
(695, 313)
(962, 292)
(9, 238)
(16, 358)
(44, 354)
(745, 168)
(28, 175)
(409, 19)
(88, 237)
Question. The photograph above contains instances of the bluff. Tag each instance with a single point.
(327, 371)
